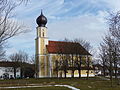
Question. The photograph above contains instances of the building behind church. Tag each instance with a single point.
(7, 70)
(59, 58)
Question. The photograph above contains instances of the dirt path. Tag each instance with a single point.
(68, 86)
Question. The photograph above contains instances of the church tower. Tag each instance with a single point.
(41, 51)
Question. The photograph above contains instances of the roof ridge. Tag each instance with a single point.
(63, 41)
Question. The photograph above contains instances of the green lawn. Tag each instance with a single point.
(83, 84)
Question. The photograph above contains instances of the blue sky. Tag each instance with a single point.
(66, 18)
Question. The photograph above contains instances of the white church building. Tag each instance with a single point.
(49, 52)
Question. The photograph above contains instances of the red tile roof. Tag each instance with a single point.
(57, 47)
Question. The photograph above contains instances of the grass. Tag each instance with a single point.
(83, 84)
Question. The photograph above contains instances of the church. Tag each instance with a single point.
(59, 58)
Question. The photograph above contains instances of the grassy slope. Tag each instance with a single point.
(83, 84)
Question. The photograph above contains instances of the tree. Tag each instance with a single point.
(2, 53)
(84, 43)
(15, 58)
(32, 59)
(114, 24)
(109, 56)
(8, 26)
(21, 58)
(110, 47)
(57, 66)
(65, 66)
(77, 61)
(103, 57)
(114, 30)
(70, 47)
(87, 47)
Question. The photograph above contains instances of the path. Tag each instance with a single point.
(103, 78)
(68, 86)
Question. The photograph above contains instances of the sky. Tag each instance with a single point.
(70, 19)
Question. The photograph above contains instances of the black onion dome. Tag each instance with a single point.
(41, 20)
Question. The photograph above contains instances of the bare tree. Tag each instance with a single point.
(77, 62)
(103, 56)
(21, 58)
(70, 48)
(110, 47)
(32, 59)
(114, 30)
(15, 58)
(8, 26)
(108, 55)
(84, 43)
(2, 53)
(114, 24)
(87, 47)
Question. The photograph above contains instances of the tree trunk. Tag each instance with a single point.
(21, 73)
(72, 73)
(116, 72)
(72, 67)
(111, 71)
(88, 66)
(15, 72)
(87, 74)
(56, 65)
(79, 71)
(57, 73)
(65, 73)
(111, 77)
(79, 68)
(104, 73)
(115, 67)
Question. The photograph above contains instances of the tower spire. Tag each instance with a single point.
(41, 20)
(41, 12)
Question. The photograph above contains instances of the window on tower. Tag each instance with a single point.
(43, 34)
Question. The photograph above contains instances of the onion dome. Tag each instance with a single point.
(41, 20)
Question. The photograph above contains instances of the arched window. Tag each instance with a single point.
(43, 34)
